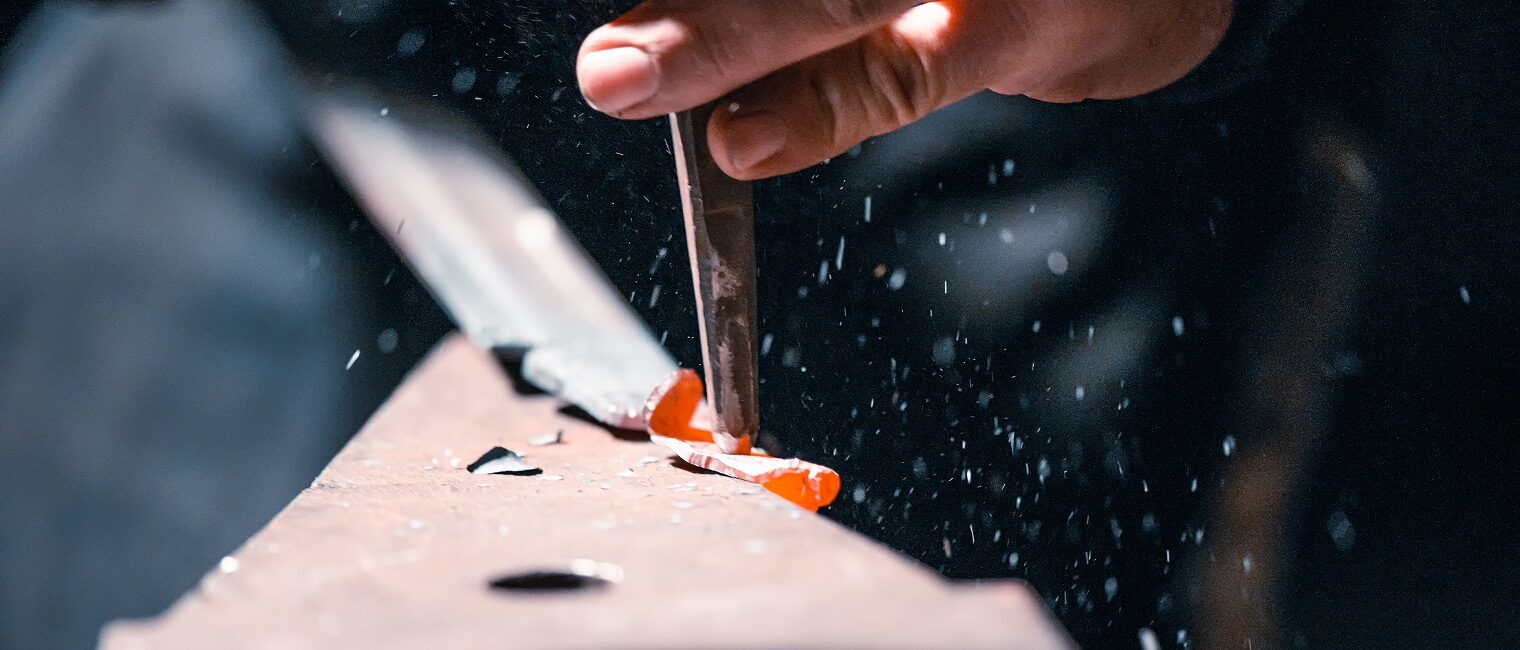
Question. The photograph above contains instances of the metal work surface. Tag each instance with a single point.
(396, 544)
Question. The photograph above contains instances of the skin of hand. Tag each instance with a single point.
(801, 81)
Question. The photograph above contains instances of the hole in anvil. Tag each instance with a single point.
(548, 581)
(582, 575)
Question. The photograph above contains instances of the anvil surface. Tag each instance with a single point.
(395, 544)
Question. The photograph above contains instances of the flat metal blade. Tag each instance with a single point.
(720, 237)
(490, 251)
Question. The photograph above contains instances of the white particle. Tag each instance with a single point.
(387, 341)
(1006, 235)
(1148, 640)
(385, 111)
(1342, 532)
(463, 80)
(1228, 445)
(868, 209)
(228, 564)
(839, 255)
(944, 351)
(1178, 327)
(410, 42)
(351, 360)
(1081, 392)
(942, 239)
(1057, 263)
(1466, 297)
(897, 279)
(506, 84)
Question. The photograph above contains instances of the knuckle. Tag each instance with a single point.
(827, 96)
(869, 91)
(900, 87)
(846, 13)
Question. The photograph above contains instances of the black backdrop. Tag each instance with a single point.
(1081, 454)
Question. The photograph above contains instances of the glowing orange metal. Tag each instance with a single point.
(677, 421)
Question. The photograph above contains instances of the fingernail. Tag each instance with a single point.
(753, 138)
(617, 79)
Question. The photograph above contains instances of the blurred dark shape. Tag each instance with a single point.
(192, 308)
(548, 582)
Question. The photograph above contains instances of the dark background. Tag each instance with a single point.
(994, 418)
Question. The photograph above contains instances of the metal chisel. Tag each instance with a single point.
(720, 236)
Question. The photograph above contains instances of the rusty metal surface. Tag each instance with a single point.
(395, 543)
(720, 239)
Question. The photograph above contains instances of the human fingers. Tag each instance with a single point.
(821, 106)
(940, 52)
(672, 55)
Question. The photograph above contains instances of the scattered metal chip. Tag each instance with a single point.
(500, 460)
(549, 439)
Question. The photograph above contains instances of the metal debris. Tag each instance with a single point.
(548, 439)
(500, 460)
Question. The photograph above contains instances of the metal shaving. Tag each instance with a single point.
(500, 460)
